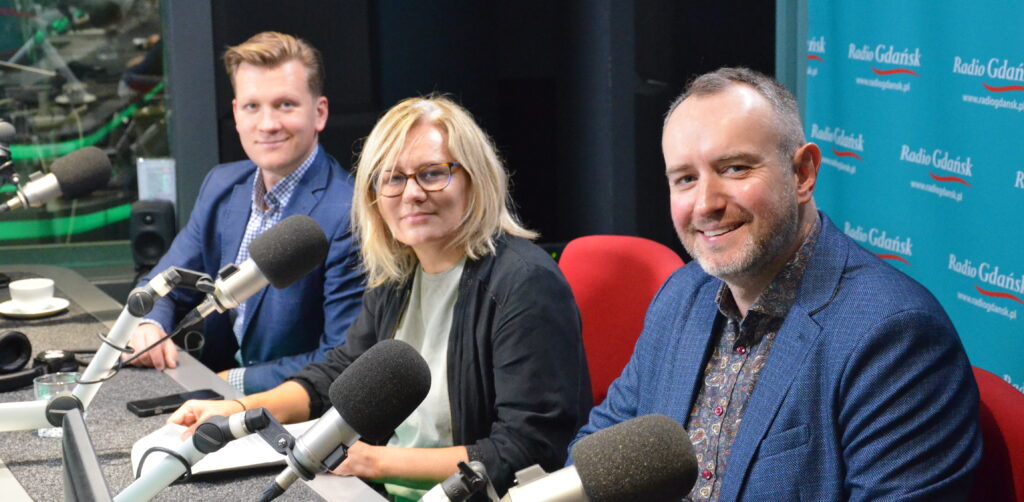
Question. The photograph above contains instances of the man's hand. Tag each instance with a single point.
(195, 412)
(163, 355)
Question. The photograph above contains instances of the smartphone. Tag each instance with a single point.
(168, 403)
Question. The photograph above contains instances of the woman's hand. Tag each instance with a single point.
(413, 467)
(195, 412)
(363, 461)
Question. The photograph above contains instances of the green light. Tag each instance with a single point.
(65, 225)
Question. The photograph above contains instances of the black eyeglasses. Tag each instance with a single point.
(430, 178)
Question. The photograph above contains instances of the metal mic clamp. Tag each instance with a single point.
(274, 434)
(141, 300)
(461, 486)
(467, 482)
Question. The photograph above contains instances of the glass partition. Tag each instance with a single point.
(72, 75)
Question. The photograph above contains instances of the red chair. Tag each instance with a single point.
(1000, 476)
(614, 278)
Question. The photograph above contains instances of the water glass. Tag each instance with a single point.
(48, 387)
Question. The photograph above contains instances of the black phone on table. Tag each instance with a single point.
(168, 403)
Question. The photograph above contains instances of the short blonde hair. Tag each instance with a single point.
(489, 211)
(269, 49)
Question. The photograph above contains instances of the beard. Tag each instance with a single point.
(776, 235)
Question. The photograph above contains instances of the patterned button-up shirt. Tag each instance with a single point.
(266, 210)
(741, 349)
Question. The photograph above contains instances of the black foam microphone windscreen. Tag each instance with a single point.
(81, 172)
(289, 250)
(381, 388)
(646, 458)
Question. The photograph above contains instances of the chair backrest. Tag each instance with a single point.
(614, 278)
(1000, 476)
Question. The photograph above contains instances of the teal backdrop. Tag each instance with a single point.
(918, 107)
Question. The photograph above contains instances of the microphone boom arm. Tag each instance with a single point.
(30, 415)
(210, 436)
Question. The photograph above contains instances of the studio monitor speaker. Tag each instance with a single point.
(151, 231)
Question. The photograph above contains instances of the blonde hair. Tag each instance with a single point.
(489, 211)
(269, 49)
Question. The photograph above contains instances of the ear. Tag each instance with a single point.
(321, 113)
(234, 111)
(806, 162)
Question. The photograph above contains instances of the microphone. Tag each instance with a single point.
(73, 175)
(645, 458)
(370, 399)
(7, 134)
(280, 256)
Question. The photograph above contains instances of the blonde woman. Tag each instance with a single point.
(452, 272)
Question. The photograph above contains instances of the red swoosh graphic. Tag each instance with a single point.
(948, 178)
(894, 70)
(841, 153)
(892, 257)
(814, 57)
(1004, 88)
(998, 294)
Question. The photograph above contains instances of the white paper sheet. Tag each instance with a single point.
(249, 451)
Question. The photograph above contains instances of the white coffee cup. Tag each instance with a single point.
(32, 294)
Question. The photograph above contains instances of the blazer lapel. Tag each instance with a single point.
(696, 342)
(237, 217)
(795, 337)
(793, 340)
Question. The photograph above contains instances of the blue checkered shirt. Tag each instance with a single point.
(260, 219)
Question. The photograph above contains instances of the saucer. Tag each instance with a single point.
(12, 309)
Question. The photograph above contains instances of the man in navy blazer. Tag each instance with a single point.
(802, 366)
(279, 110)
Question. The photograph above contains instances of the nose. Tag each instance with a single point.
(710, 198)
(413, 192)
(268, 120)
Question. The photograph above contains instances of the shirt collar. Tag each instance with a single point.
(279, 196)
(779, 296)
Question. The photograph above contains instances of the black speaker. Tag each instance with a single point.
(151, 230)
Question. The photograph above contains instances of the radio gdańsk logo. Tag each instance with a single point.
(949, 173)
(1002, 79)
(815, 52)
(995, 288)
(891, 65)
(847, 147)
(894, 247)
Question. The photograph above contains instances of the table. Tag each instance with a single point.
(33, 464)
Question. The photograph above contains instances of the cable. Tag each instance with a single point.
(128, 350)
(176, 455)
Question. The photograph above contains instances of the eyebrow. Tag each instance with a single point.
(738, 157)
(725, 159)
(433, 162)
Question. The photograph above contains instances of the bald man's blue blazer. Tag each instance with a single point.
(867, 393)
(285, 329)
